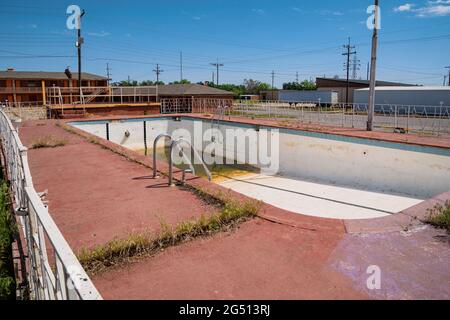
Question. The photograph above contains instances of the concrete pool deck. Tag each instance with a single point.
(96, 195)
(318, 199)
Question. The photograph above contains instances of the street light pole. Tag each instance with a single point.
(373, 66)
(448, 76)
(80, 41)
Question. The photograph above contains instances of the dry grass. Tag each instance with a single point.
(232, 212)
(439, 216)
(48, 142)
(120, 251)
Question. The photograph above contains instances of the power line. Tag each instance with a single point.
(273, 79)
(108, 73)
(158, 71)
(355, 66)
(348, 53)
(181, 66)
(217, 65)
(448, 75)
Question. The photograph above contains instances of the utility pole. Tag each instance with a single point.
(273, 78)
(368, 70)
(448, 77)
(78, 44)
(355, 67)
(348, 53)
(108, 73)
(213, 77)
(181, 66)
(273, 83)
(373, 66)
(158, 71)
(296, 76)
(217, 65)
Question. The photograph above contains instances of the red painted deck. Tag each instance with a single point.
(96, 195)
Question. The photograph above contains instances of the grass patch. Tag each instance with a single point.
(119, 251)
(48, 142)
(439, 216)
(7, 276)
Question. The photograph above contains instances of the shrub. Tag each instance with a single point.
(48, 142)
(439, 216)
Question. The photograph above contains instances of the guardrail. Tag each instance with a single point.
(21, 90)
(434, 120)
(54, 272)
(118, 95)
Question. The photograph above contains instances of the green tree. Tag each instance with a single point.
(134, 83)
(254, 86)
(238, 90)
(304, 85)
(184, 81)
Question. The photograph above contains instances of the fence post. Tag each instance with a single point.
(439, 120)
(407, 119)
(145, 136)
(395, 116)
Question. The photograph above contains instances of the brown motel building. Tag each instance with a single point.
(27, 87)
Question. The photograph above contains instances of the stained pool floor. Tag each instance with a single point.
(316, 199)
(301, 196)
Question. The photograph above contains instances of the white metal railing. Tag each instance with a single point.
(24, 104)
(21, 90)
(54, 272)
(192, 105)
(118, 95)
(434, 120)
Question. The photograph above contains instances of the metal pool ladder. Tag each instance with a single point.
(219, 115)
(173, 144)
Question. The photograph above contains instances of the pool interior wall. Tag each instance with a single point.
(332, 175)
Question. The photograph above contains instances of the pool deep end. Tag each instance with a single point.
(332, 161)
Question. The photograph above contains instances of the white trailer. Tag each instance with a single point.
(295, 96)
(421, 99)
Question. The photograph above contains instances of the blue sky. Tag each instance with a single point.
(251, 38)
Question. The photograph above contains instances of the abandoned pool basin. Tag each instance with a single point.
(318, 174)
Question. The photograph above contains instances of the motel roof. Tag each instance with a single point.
(365, 82)
(177, 90)
(44, 75)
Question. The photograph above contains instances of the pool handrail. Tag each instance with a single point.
(177, 142)
(155, 142)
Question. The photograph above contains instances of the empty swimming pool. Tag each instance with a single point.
(309, 173)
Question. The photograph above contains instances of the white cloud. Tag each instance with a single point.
(28, 26)
(99, 34)
(320, 12)
(261, 12)
(431, 11)
(404, 7)
(434, 8)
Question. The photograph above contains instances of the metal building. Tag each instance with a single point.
(423, 96)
